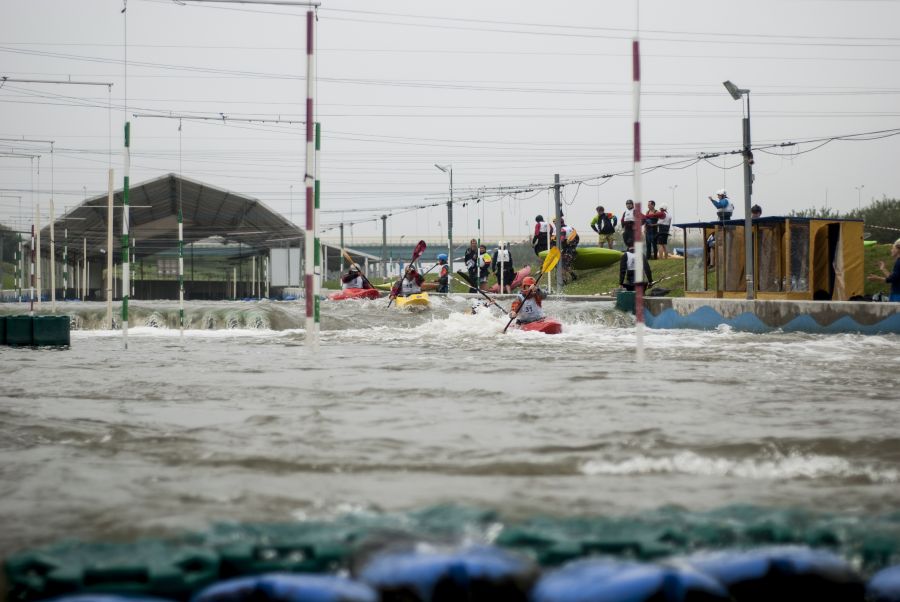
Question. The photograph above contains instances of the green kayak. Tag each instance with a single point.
(588, 258)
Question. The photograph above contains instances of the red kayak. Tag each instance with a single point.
(545, 325)
(517, 281)
(355, 293)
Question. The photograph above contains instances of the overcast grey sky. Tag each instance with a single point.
(508, 92)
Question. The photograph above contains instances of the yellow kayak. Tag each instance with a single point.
(415, 300)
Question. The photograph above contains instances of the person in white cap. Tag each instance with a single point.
(723, 206)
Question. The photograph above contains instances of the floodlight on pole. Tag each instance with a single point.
(859, 196)
(448, 169)
(737, 94)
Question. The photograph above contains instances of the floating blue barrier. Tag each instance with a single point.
(782, 573)
(884, 586)
(473, 574)
(602, 580)
(278, 587)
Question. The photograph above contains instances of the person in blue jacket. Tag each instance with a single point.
(723, 205)
(894, 277)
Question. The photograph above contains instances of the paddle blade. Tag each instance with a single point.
(550, 260)
(420, 248)
(347, 257)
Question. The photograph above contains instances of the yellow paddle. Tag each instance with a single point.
(353, 263)
(550, 262)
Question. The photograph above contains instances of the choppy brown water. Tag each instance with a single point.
(399, 411)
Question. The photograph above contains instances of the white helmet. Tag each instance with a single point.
(721, 192)
(664, 207)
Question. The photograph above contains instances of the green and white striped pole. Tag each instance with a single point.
(318, 268)
(180, 246)
(126, 246)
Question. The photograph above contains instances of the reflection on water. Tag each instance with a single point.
(402, 410)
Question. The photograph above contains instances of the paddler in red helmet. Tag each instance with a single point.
(527, 306)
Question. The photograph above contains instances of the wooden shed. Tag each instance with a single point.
(793, 258)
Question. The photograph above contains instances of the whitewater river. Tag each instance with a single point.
(398, 411)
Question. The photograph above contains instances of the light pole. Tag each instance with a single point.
(449, 169)
(859, 196)
(672, 188)
(737, 94)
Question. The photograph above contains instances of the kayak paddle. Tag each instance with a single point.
(550, 262)
(417, 252)
(483, 294)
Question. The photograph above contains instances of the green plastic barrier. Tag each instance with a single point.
(51, 331)
(19, 331)
(139, 569)
(625, 301)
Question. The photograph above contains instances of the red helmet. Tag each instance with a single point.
(528, 281)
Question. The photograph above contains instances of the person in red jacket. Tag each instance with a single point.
(651, 228)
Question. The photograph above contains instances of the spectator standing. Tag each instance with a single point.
(627, 222)
(503, 267)
(723, 205)
(543, 232)
(892, 278)
(471, 261)
(651, 219)
(604, 224)
(627, 266)
(755, 211)
(484, 266)
(663, 226)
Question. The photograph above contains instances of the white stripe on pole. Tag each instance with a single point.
(109, 247)
(52, 259)
(636, 178)
(37, 227)
(312, 335)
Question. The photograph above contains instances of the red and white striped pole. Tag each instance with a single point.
(312, 332)
(636, 178)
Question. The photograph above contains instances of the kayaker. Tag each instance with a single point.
(443, 274)
(527, 306)
(627, 266)
(354, 279)
(410, 284)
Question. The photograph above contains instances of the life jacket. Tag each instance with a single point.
(409, 287)
(352, 283)
(665, 220)
(445, 271)
(628, 216)
(529, 310)
(503, 256)
(607, 223)
(631, 260)
(729, 208)
(544, 227)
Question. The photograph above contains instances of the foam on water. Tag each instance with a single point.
(781, 467)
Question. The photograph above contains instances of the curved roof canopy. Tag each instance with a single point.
(207, 211)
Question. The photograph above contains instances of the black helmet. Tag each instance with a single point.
(539, 218)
